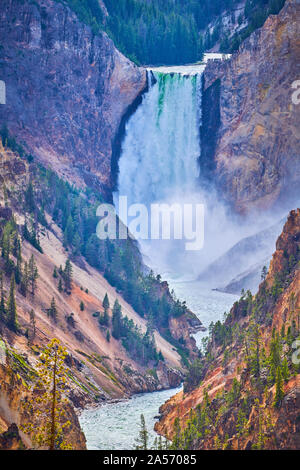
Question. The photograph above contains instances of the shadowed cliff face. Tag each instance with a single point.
(67, 90)
(256, 159)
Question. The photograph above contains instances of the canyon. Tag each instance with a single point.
(75, 103)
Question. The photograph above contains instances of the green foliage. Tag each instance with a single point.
(194, 375)
(10, 142)
(168, 32)
(32, 274)
(49, 400)
(141, 347)
(52, 311)
(256, 12)
(116, 320)
(143, 439)
(68, 275)
(11, 313)
(108, 336)
(105, 302)
(279, 394)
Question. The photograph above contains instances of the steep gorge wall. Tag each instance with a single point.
(279, 426)
(67, 90)
(252, 152)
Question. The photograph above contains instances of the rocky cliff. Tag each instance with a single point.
(250, 133)
(99, 367)
(67, 90)
(248, 392)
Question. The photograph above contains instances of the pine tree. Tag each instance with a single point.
(279, 394)
(105, 319)
(52, 377)
(18, 269)
(108, 336)
(143, 438)
(116, 320)
(12, 321)
(2, 300)
(285, 370)
(177, 439)
(32, 329)
(24, 280)
(264, 273)
(60, 286)
(81, 306)
(32, 274)
(76, 244)
(105, 302)
(55, 275)
(52, 311)
(69, 232)
(29, 198)
(68, 274)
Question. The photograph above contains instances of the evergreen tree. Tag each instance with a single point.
(68, 275)
(51, 380)
(32, 274)
(105, 318)
(69, 232)
(32, 329)
(105, 302)
(81, 306)
(52, 311)
(116, 320)
(279, 394)
(29, 198)
(2, 300)
(108, 336)
(24, 280)
(18, 270)
(12, 321)
(143, 438)
(285, 370)
(60, 286)
(55, 275)
(177, 440)
(264, 273)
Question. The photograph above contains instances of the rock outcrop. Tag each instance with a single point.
(67, 89)
(250, 134)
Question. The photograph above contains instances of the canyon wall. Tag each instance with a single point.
(250, 132)
(67, 89)
(236, 402)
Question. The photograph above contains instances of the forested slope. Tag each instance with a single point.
(173, 31)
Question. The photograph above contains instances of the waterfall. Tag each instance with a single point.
(161, 146)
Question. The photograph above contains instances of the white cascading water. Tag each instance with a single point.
(160, 151)
(161, 145)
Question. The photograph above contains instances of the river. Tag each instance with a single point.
(116, 425)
